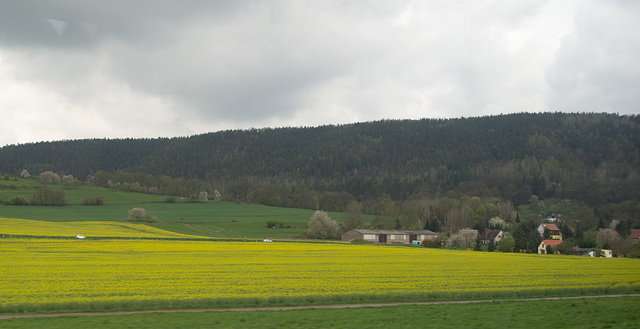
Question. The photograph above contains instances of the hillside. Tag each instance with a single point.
(394, 157)
(386, 166)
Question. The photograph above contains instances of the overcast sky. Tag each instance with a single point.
(160, 68)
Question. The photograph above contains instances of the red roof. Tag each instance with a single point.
(635, 234)
(551, 243)
(551, 227)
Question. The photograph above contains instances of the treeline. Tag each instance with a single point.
(591, 158)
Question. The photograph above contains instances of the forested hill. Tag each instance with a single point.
(593, 157)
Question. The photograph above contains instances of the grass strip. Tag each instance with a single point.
(618, 312)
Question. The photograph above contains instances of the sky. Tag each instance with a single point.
(159, 68)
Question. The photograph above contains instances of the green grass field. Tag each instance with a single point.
(222, 219)
(74, 194)
(621, 312)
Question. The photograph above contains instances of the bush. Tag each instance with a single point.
(45, 196)
(20, 201)
(274, 224)
(436, 242)
(93, 201)
(507, 244)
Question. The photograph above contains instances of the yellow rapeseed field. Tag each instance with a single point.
(15, 226)
(48, 271)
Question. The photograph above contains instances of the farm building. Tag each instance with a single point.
(388, 236)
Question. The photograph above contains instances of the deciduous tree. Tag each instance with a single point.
(321, 226)
(353, 216)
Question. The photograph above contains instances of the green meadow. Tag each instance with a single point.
(620, 312)
(210, 219)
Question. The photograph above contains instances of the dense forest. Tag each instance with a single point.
(384, 165)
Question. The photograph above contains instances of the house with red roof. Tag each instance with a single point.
(554, 231)
(545, 246)
(635, 235)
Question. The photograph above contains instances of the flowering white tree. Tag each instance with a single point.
(321, 226)
(204, 196)
(49, 177)
(138, 214)
(69, 180)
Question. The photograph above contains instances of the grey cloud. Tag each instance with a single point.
(317, 62)
(597, 66)
(68, 23)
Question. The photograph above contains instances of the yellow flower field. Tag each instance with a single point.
(15, 226)
(46, 271)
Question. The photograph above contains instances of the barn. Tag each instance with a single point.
(388, 236)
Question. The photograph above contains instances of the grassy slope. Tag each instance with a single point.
(74, 194)
(205, 219)
(582, 313)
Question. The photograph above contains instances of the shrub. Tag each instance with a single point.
(507, 244)
(45, 196)
(20, 201)
(93, 201)
(274, 224)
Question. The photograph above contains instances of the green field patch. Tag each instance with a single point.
(221, 219)
(74, 194)
(619, 312)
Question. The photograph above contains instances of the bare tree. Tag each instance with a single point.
(353, 216)
(456, 219)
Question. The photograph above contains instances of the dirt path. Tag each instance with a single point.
(302, 307)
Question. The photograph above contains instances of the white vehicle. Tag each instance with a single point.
(266, 240)
(80, 236)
